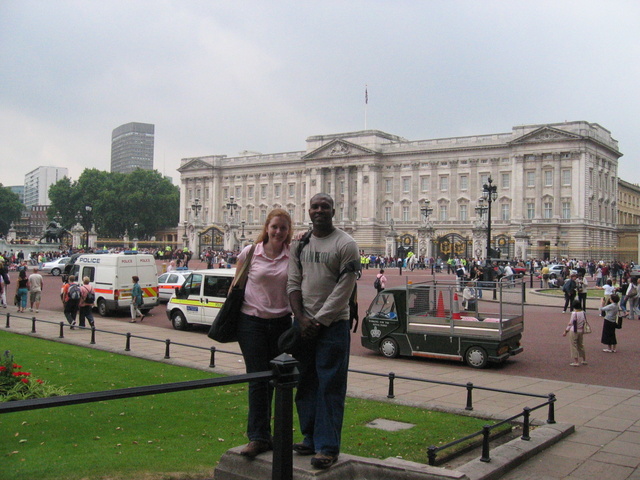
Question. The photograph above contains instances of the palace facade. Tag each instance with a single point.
(557, 187)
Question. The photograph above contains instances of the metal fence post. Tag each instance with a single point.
(285, 371)
(526, 412)
(166, 350)
(33, 325)
(431, 454)
(392, 377)
(127, 345)
(469, 396)
(552, 409)
(8, 323)
(485, 444)
(93, 335)
(61, 327)
(212, 362)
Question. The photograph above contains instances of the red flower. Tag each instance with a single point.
(15, 365)
(2, 368)
(39, 381)
(25, 380)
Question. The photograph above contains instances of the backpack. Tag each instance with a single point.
(73, 294)
(377, 284)
(353, 299)
(91, 296)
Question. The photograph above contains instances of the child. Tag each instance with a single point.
(576, 334)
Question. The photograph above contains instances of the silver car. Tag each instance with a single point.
(55, 267)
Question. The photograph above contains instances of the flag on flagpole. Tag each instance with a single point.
(366, 95)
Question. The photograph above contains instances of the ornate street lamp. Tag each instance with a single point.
(426, 211)
(231, 206)
(490, 194)
(242, 235)
(87, 223)
(196, 207)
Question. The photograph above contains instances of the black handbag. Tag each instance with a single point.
(619, 322)
(225, 326)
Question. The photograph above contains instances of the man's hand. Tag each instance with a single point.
(309, 328)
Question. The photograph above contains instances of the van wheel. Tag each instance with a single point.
(389, 348)
(102, 308)
(476, 357)
(178, 321)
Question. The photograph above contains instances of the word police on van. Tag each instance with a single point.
(110, 274)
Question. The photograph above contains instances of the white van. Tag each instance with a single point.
(200, 297)
(110, 275)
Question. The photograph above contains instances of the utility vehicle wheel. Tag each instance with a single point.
(102, 308)
(389, 348)
(178, 321)
(476, 357)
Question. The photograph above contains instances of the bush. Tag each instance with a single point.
(17, 384)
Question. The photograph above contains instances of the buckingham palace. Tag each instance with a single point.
(554, 191)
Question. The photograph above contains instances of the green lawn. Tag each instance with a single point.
(169, 436)
(591, 293)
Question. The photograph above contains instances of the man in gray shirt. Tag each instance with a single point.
(36, 283)
(322, 277)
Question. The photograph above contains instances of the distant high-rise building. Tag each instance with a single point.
(19, 190)
(132, 147)
(37, 183)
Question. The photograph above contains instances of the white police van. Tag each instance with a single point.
(110, 274)
(200, 297)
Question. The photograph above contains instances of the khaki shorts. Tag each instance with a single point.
(35, 296)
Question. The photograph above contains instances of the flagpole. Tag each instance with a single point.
(366, 103)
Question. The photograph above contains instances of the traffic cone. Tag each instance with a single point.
(455, 308)
(440, 309)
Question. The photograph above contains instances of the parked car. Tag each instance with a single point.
(558, 269)
(55, 267)
(168, 282)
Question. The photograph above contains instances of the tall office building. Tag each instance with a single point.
(37, 183)
(132, 147)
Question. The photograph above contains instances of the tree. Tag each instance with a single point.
(10, 208)
(118, 201)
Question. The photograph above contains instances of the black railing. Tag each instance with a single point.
(284, 377)
(431, 451)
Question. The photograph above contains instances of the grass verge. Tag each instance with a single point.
(170, 436)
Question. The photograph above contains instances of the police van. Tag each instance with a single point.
(200, 297)
(110, 275)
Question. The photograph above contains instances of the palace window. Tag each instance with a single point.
(388, 185)
(387, 214)
(464, 182)
(548, 178)
(405, 213)
(444, 183)
(506, 180)
(424, 183)
(531, 179)
(548, 209)
(505, 211)
(443, 213)
(566, 177)
(406, 184)
(566, 209)
(250, 189)
(531, 210)
(463, 213)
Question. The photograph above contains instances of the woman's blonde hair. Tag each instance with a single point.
(276, 212)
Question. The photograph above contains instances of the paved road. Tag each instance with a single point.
(546, 352)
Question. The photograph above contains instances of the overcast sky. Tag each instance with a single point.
(219, 77)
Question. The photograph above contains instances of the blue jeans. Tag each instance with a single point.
(323, 387)
(258, 339)
(23, 293)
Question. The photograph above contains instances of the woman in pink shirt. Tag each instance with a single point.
(265, 316)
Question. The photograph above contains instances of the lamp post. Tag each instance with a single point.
(489, 194)
(426, 211)
(196, 207)
(87, 223)
(231, 206)
(242, 235)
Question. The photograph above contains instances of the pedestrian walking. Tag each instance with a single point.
(575, 329)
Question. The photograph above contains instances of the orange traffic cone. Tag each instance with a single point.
(455, 308)
(440, 309)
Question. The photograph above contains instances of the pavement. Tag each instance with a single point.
(605, 444)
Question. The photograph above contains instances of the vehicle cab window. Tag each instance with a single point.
(192, 285)
(384, 306)
(217, 286)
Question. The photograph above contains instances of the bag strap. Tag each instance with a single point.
(242, 274)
